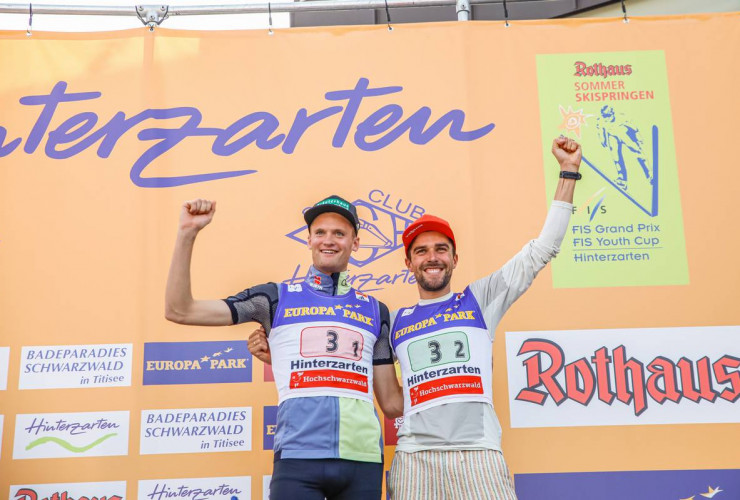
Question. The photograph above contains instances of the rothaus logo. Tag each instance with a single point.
(110, 490)
(584, 69)
(383, 218)
(356, 113)
(616, 378)
(31, 494)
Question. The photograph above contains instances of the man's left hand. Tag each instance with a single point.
(567, 152)
(259, 347)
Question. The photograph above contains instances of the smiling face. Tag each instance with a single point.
(432, 259)
(332, 240)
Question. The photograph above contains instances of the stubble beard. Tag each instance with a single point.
(434, 287)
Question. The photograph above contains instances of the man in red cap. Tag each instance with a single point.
(449, 445)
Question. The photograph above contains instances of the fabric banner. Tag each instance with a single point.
(103, 136)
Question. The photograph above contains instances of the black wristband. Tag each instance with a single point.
(566, 174)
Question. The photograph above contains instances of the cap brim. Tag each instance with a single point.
(425, 227)
(310, 215)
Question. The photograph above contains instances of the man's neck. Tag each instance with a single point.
(440, 298)
(431, 295)
(330, 284)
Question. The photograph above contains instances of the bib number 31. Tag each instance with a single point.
(331, 341)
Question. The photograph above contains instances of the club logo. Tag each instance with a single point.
(381, 223)
(383, 219)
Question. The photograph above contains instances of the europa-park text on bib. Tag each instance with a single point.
(445, 353)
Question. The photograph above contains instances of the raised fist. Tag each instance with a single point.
(197, 214)
(567, 152)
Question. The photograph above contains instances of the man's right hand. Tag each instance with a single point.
(197, 214)
(179, 305)
(259, 347)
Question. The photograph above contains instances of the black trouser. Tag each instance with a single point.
(330, 478)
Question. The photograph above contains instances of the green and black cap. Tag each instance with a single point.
(334, 204)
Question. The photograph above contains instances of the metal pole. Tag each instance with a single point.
(73, 10)
(463, 10)
(257, 8)
(307, 6)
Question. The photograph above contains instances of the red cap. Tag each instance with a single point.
(422, 225)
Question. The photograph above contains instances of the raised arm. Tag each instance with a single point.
(496, 292)
(568, 153)
(180, 307)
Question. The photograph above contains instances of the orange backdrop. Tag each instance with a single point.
(85, 249)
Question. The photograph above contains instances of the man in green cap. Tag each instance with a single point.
(329, 349)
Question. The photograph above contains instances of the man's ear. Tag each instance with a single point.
(356, 244)
(454, 261)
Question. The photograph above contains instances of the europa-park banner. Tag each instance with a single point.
(617, 375)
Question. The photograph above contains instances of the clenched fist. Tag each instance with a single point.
(197, 214)
(567, 152)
